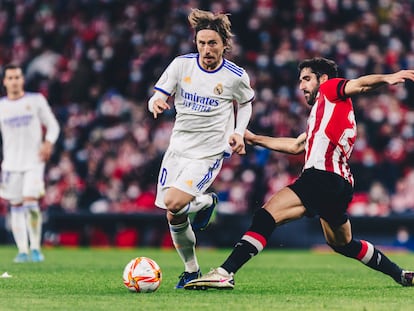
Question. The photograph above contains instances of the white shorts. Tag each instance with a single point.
(193, 176)
(18, 185)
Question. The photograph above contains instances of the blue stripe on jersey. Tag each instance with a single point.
(209, 175)
(162, 91)
(190, 55)
(233, 68)
(233, 65)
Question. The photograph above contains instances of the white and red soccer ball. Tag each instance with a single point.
(142, 275)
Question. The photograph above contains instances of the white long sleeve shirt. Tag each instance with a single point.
(21, 124)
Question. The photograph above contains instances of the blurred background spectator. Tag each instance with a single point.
(97, 60)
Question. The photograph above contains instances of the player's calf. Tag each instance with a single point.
(370, 256)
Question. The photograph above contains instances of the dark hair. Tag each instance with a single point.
(320, 66)
(9, 66)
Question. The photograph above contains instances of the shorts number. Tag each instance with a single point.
(163, 177)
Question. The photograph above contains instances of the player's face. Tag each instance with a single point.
(309, 85)
(13, 81)
(211, 48)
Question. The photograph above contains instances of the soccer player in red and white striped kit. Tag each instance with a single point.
(325, 187)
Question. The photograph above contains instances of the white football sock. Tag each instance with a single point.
(184, 241)
(19, 228)
(34, 224)
(197, 204)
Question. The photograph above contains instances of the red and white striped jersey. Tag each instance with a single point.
(331, 130)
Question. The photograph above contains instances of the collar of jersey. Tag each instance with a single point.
(207, 71)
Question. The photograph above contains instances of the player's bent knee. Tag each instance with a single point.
(174, 208)
(171, 204)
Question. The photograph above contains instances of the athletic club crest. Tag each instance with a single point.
(218, 89)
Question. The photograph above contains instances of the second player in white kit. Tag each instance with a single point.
(25, 150)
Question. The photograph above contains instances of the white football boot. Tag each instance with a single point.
(217, 278)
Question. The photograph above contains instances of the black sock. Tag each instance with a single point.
(252, 242)
(366, 253)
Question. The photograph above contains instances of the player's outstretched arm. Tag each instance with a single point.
(370, 82)
(282, 144)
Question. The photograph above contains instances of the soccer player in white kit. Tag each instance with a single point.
(205, 85)
(25, 152)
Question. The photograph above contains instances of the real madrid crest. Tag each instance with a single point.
(218, 89)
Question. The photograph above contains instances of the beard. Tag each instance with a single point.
(312, 95)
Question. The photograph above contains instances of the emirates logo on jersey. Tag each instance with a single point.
(218, 89)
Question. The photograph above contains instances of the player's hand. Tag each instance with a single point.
(400, 76)
(249, 137)
(299, 145)
(301, 139)
(159, 106)
(45, 151)
(237, 143)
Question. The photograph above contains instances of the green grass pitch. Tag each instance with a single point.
(91, 279)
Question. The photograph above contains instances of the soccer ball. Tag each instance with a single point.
(142, 275)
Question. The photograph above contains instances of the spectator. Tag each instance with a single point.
(106, 56)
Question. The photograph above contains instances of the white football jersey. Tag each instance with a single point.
(21, 122)
(204, 104)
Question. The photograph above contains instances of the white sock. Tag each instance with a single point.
(34, 224)
(184, 241)
(197, 204)
(19, 228)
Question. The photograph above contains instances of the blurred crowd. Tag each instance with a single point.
(97, 60)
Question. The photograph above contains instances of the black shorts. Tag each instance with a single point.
(325, 194)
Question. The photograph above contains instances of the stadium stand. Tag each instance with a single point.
(97, 60)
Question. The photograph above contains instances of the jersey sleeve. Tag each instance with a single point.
(334, 89)
(244, 93)
(167, 83)
(48, 119)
